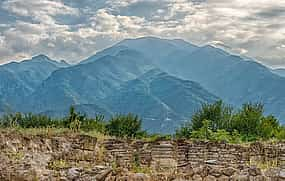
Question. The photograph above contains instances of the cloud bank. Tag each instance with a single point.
(73, 30)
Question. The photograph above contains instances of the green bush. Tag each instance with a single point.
(125, 126)
(219, 114)
(246, 124)
(204, 132)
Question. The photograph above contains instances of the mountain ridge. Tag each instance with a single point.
(164, 81)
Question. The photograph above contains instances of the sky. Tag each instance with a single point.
(75, 29)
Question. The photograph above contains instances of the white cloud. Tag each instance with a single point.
(39, 10)
(255, 28)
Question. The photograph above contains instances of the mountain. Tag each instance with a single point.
(21, 79)
(124, 82)
(91, 110)
(32, 72)
(232, 78)
(153, 48)
(163, 101)
(163, 81)
(86, 83)
(280, 72)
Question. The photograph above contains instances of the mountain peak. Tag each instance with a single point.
(40, 57)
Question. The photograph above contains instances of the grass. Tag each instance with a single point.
(264, 165)
(16, 156)
(58, 165)
(49, 132)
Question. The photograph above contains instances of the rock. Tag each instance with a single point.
(102, 176)
(223, 178)
(211, 162)
(189, 171)
(240, 178)
(73, 173)
(138, 177)
(216, 172)
(258, 178)
(254, 171)
(282, 174)
(210, 178)
(272, 173)
(229, 171)
(197, 178)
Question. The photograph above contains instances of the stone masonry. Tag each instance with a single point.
(79, 157)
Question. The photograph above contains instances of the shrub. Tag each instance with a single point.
(204, 132)
(219, 114)
(125, 126)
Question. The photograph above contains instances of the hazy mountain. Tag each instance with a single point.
(280, 72)
(18, 80)
(232, 78)
(151, 47)
(163, 81)
(90, 110)
(86, 83)
(32, 72)
(163, 101)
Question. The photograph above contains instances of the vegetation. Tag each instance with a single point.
(217, 121)
(125, 126)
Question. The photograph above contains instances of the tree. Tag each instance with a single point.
(219, 114)
(184, 131)
(125, 126)
(268, 127)
(204, 132)
(74, 119)
(247, 120)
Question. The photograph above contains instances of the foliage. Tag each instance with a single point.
(247, 120)
(215, 121)
(125, 126)
(204, 132)
(185, 131)
(219, 114)
(219, 122)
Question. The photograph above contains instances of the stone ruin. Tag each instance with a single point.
(79, 157)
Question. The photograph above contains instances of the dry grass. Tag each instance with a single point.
(50, 132)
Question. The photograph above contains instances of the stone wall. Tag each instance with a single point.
(181, 153)
(78, 157)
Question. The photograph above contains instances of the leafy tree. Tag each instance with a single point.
(125, 126)
(98, 124)
(268, 127)
(204, 132)
(248, 119)
(219, 114)
(184, 131)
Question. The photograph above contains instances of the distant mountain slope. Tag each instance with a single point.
(280, 72)
(18, 80)
(32, 72)
(86, 83)
(230, 77)
(161, 80)
(90, 110)
(163, 101)
(151, 47)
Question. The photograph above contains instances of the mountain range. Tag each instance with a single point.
(163, 81)
(279, 71)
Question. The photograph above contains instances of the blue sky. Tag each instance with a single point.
(75, 29)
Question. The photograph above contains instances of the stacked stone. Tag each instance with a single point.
(182, 154)
(281, 155)
(118, 152)
(197, 153)
(163, 156)
(142, 152)
(231, 155)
